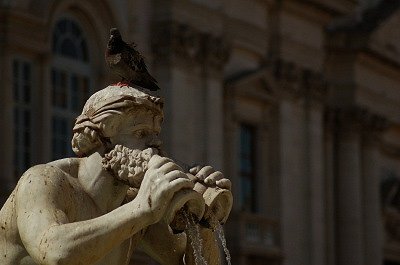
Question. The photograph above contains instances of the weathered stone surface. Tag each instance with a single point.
(120, 193)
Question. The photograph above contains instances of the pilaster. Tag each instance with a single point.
(358, 225)
(349, 215)
(194, 60)
(303, 91)
(373, 125)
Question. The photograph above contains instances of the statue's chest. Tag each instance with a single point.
(81, 207)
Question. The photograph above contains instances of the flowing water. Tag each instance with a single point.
(221, 235)
(195, 239)
(193, 232)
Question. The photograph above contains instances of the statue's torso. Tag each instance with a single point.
(80, 208)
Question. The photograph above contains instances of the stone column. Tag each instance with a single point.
(315, 175)
(189, 63)
(349, 199)
(330, 155)
(216, 53)
(294, 187)
(176, 64)
(373, 227)
(302, 165)
(295, 201)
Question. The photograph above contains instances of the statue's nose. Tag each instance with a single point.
(154, 141)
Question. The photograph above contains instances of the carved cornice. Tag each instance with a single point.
(288, 77)
(356, 119)
(315, 85)
(178, 40)
(299, 82)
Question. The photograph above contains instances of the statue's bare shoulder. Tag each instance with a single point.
(41, 191)
(38, 199)
(53, 189)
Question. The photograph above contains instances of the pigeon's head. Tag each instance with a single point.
(114, 33)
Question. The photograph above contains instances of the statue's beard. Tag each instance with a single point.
(128, 165)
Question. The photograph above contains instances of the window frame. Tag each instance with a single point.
(23, 155)
(71, 67)
(250, 176)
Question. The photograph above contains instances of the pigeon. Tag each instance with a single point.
(125, 61)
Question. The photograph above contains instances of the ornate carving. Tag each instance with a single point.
(288, 76)
(182, 41)
(315, 85)
(216, 50)
(357, 119)
(298, 81)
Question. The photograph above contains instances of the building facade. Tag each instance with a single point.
(297, 102)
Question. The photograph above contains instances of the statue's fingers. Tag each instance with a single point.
(192, 177)
(176, 174)
(195, 170)
(204, 172)
(157, 161)
(224, 184)
(181, 183)
(213, 177)
(169, 166)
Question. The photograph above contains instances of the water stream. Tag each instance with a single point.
(195, 239)
(221, 236)
(193, 232)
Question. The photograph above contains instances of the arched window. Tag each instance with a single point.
(23, 89)
(70, 81)
(68, 40)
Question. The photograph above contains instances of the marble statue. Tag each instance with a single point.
(121, 193)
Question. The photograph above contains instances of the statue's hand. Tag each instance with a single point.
(210, 177)
(161, 181)
(215, 189)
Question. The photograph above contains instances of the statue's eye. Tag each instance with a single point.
(141, 133)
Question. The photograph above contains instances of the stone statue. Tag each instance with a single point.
(121, 193)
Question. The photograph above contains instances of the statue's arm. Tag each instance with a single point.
(47, 233)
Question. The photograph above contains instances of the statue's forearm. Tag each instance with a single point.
(210, 249)
(88, 241)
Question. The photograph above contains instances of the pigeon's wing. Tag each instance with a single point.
(136, 61)
(130, 57)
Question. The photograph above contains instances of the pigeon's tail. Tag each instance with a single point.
(147, 81)
(152, 86)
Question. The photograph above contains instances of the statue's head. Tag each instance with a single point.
(118, 116)
(122, 124)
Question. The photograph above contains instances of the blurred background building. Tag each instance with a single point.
(297, 101)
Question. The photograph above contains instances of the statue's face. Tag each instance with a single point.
(138, 130)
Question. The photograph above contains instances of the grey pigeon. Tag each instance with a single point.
(125, 61)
